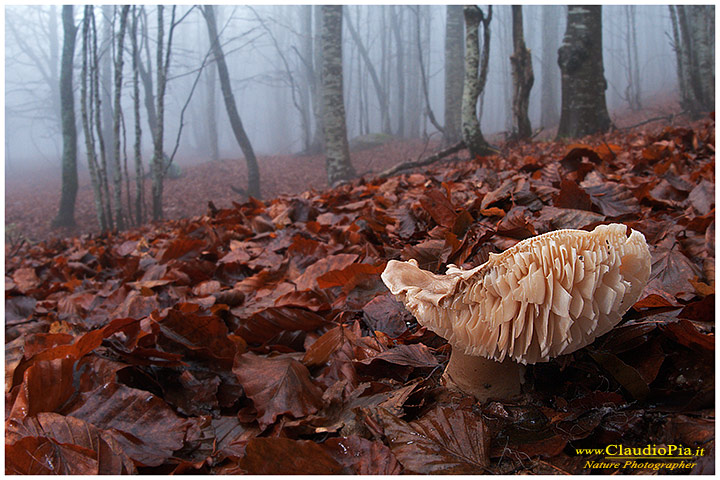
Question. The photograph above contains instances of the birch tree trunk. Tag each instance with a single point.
(474, 82)
(549, 98)
(117, 176)
(454, 72)
(253, 189)
(66, 212)
(337, 155)
(523, 78)
(584, 110)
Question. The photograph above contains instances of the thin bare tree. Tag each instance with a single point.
(253, 188)
(66, 212)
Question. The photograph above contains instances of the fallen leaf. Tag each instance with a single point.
(277, 386)
(284, 456)
(444, 441)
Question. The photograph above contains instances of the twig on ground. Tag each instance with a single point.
(425, 161)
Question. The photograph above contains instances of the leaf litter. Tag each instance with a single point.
(260, 339)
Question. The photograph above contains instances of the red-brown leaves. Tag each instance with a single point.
(55, 444)
(444, 441)
(283, 456)
(277, 386)
(144, 425)
(223, 343)
(363, 457)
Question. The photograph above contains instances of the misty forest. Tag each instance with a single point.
(239, 239)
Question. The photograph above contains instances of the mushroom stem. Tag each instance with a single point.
(483, 378)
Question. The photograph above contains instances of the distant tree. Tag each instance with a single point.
(39, 43)
(396, 23)
(632, 92)
(454, 72)
(584, 110)
(158, 159)
(106, 85)
(694, 41)
(523, 78)
(422, 47)
(337, 154)
(382, 96)
(66, 213)
(550, 85)
(253, 189)
(146, 75)
(117, 111)
(89, 103)
(139, 170)
(474, 81)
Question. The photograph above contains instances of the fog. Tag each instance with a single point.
(263, 44)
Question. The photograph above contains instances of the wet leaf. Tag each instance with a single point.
(444, 441)
(362, 456)
(283, 456)
(143, 424)
(69, 432)
(702, 197)
(44, 456)
(625, 375)
(277, 386)
(613, 199)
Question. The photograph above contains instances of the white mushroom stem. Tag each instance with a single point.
(483, 378)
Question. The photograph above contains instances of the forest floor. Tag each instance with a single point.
(32, 201)
(259, 338)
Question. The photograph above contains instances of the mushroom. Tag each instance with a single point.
(546, 296)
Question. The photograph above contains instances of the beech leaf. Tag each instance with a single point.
(277, 386)
(444, 441)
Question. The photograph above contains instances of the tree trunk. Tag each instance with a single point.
(139, 174)
(632, 92)
(523, 78)
(423, 76)
(703, 18)
(146, 78)
(694, 40)
(337, 155)
(88, 112)
(474, 82)
(106, 80)
(211, 113)
(400, 68)
(253, 189)
(117, 179)
(158, 137)
(549, 115)
(66, 213)
(584, 110)
(318, 143)
(379, 90)
(454, 72)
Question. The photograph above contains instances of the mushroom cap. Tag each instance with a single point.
(546, 296)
